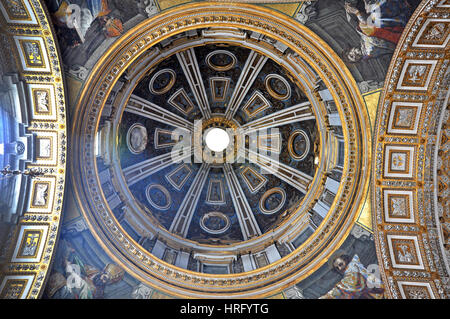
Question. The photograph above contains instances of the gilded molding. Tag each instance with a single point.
(27, 26)
(415, 97)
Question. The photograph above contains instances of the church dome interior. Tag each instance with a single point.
(166, 149)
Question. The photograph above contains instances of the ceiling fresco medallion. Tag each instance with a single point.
(137, 138)
(221, 60)
(212, 74)
(215, 223)
(407, 190)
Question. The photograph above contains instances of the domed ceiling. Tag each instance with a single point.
(166, 99)
(165, 196)
(224, 150)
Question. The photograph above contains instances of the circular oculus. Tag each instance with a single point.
(298, 145)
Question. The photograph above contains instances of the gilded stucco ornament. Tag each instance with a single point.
(28, 36)
(410, 224)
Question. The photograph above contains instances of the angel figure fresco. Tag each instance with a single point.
(80, 15)
(379, 25)
(358, 282)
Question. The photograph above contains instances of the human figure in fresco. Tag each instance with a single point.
(380, 26)
(73, 279)
(89, 11)
(357, 283)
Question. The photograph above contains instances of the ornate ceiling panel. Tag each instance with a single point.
(172, 180)
(410, 176)
(38, 108)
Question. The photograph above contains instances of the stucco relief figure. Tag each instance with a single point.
(41, 194)
(148, 6)
(436, 32)
(42, 101)
(31, 244)
(357, 283)
(404, 255)
(380, 25)
(293, 293)
(73, 279)
(417, 293)
(416, 73)
(398, 207)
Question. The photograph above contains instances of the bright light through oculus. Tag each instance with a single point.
(217, 139)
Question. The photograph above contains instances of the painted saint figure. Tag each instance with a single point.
(380, 26)
(357, 283)
(74, 279)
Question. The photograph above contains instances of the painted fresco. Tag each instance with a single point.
(83, 26)
(363, 32)
(351, 272)
(81, 270)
